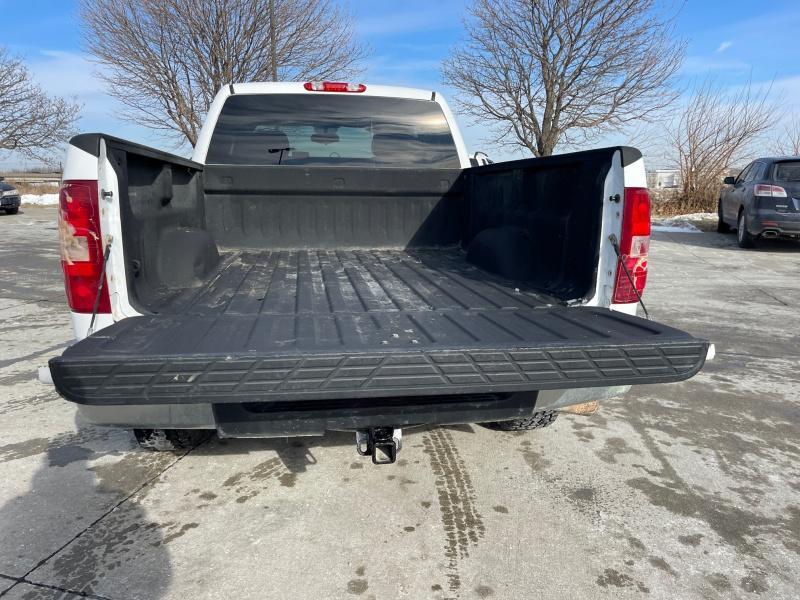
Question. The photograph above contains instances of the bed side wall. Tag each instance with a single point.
(167, 248)
(539, 220)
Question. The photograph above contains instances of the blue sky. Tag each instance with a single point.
(732, 40)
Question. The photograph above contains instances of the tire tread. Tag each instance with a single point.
(537, 420)
(170, 440)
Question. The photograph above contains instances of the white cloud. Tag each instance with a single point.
(723, 46)
(64, 73)
(784, 90)
(700, 65)
(73, 75)
(413, 72)
(780, 20)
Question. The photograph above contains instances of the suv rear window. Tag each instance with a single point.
(787, 171)
(326, 129)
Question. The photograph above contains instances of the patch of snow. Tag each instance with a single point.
(682, 223)
(40, 199)
(678, 228)
(704, 216)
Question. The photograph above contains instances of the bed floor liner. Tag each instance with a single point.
(325, 282)
(306, 325)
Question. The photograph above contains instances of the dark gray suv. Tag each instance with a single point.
(763, 201)
(9, 198)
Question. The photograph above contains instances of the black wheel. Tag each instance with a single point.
(12, 211)
(170, 440)
(722, 226)
(744, 237)
(543, 418)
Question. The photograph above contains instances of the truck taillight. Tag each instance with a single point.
(82, 246)
(334, 86)
(634, 245)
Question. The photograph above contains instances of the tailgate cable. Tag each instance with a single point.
(106, 254)
(613, 239)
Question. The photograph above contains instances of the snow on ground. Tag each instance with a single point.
(683, 223)
(677, 228)
(703, 216)
(40, 199)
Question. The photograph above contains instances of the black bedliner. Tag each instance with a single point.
(312, 325)
(352, 282)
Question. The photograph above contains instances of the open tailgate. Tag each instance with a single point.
(249, 358)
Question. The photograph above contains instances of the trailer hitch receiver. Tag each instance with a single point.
(382, 443)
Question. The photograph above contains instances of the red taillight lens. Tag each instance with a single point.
(334, 86)
(769, 191)
(634, 246)
(81, 246)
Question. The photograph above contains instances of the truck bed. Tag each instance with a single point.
(345, 284)
(366, 289)
(313, 325)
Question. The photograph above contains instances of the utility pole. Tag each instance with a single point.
(272, 42)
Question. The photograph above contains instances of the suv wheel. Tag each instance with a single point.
(12, 211)
(170, 440)
(744, 237)
(543, 418)
(722, 226)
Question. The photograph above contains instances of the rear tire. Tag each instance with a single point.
(744, 238)
(12, 211)
(722, 226)
(537, 420)
(170, 440)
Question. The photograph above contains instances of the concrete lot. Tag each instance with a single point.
(687, 490)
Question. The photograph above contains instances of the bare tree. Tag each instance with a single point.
(545, 72)
(717, 129)
(166, 59)
(787, 141)
(31, 122)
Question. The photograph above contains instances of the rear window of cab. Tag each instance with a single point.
(332, 130)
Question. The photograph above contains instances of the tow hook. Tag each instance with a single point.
(383, 443)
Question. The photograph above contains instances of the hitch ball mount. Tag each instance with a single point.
(382, 443)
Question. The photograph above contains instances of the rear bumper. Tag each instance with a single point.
(775, 224)
(278, 420)
(10, 202)
(273, 419)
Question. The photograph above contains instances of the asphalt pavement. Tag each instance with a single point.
(686, 490)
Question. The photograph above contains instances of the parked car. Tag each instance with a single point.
(763, 201)
(330, 260)
(9, 198)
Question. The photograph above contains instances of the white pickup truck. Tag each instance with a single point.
(330, 259)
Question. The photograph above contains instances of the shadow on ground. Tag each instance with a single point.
(84, 549)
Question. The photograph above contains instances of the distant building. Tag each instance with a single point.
(663, 178)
